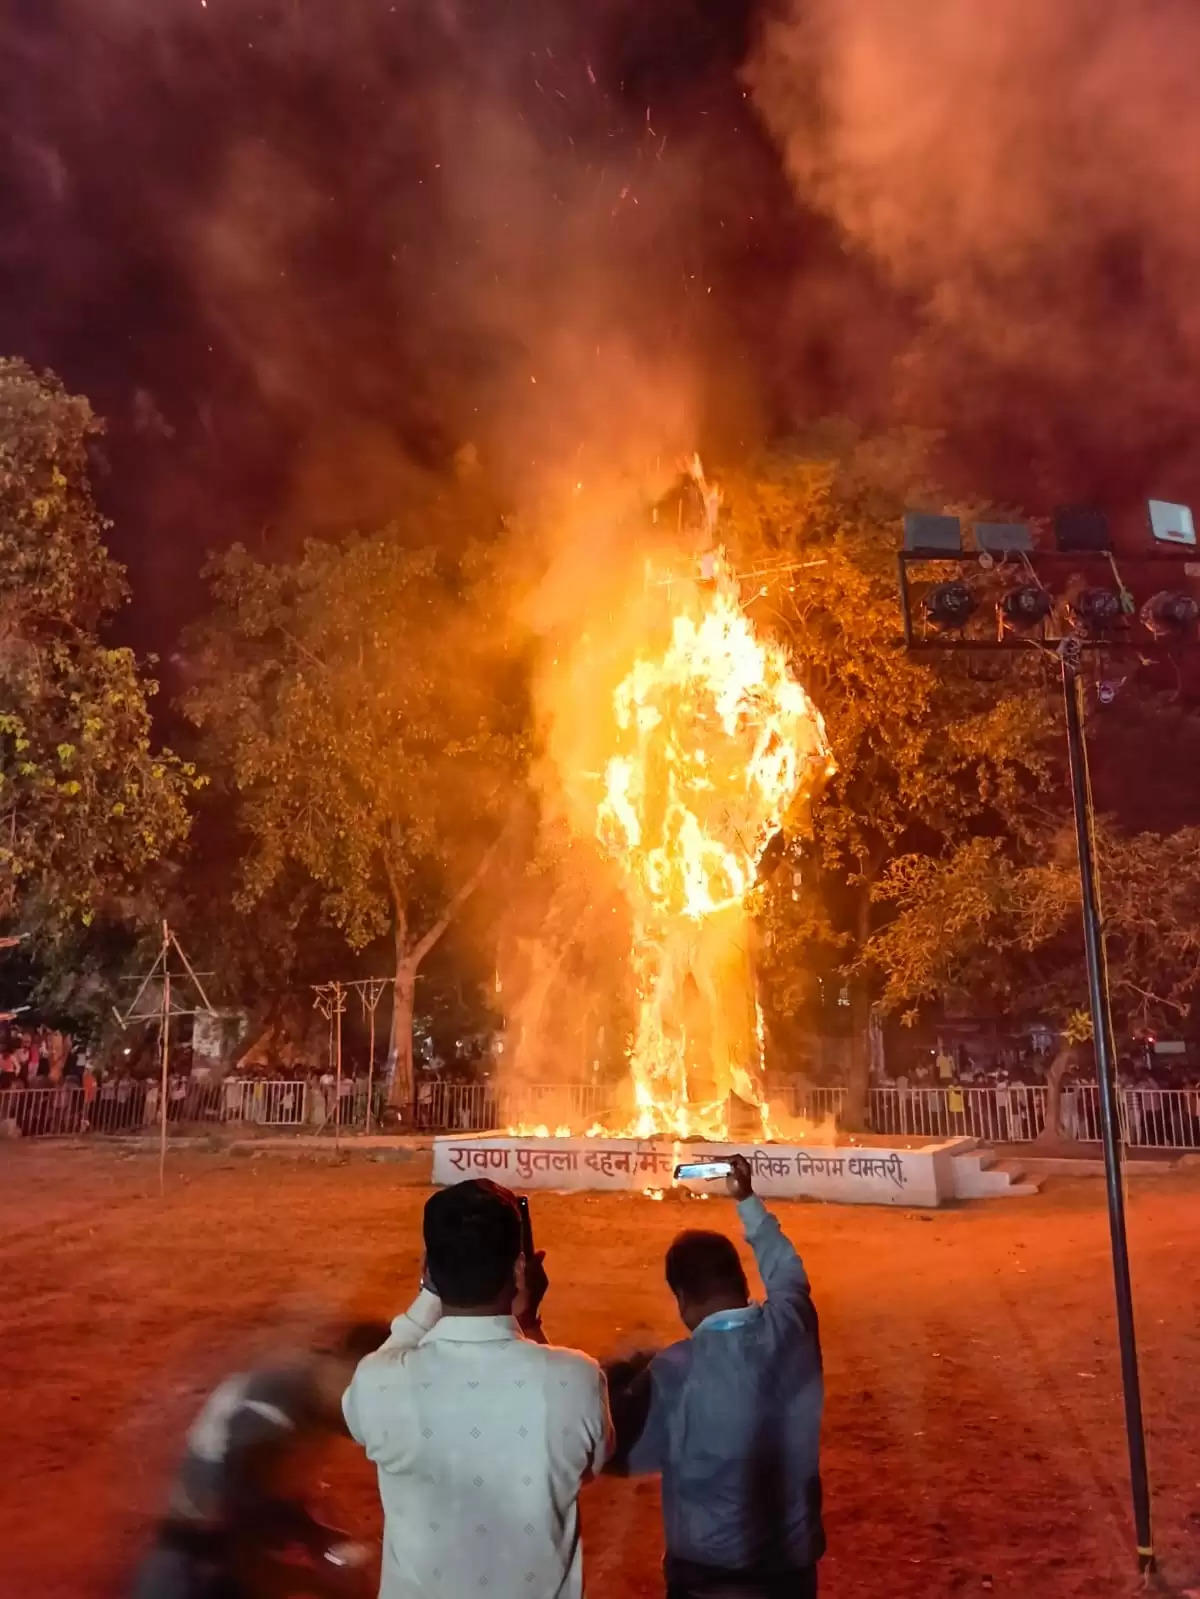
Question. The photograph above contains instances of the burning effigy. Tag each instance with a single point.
(696, 745)
(715, 744)
(679, 741)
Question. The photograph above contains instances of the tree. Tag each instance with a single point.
(364, 708)
(1003, 923)
(933, 759)
(87, 803)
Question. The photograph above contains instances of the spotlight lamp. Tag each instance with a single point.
(1003, 538)
(1027, 605)
(929, 533)
(950, 605)
(1071, 603)
(1079, 527)
(1172, 524)
(1097, 609)
(1170, 612)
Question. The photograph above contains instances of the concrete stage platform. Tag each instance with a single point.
(910, 1173)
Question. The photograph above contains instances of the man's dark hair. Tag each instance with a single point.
(703, 1266)
(472, 1240)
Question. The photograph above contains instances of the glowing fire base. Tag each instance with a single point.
(846, 1174)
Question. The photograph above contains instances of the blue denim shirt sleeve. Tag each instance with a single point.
(649, 1451)
(789, 1297)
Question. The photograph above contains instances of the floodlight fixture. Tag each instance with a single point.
(1170, 612)
(1171, 524)
(1079, 528)
(1027, 605)
(1097, 608)
(1000, 538)
(1097, 611)
(950, 605)
(928, 534)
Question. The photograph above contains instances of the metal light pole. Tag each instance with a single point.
(370, 991)
(1097, 974)
(1089, 608)
(330, 1000)
(161, 1012)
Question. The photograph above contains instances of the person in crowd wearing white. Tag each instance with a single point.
(482, 1433)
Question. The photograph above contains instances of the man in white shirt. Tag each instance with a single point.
(481, 1432)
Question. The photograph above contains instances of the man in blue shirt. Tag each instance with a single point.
(731, 1416)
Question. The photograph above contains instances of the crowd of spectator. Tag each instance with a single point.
(1029, 1064)
(36, 1057)
(47, 1084)
(1000, 1091)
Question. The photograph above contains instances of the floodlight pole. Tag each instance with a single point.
(1093, 941)
(939, 539)
(330, 1000)
(166, 1057)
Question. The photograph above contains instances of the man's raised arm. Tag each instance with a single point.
(409, 1327)
(779, 1266)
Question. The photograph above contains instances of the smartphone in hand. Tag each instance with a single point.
(703, 1170)
(526, 1227)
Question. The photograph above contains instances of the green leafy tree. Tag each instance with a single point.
(1004, 925)
(933, 756)
(361, 705)
(87, 803)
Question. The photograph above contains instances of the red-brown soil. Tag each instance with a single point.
(973, 1438)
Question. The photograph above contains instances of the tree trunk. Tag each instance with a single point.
(409, 955)
(400, 1074)
(1050, 1133)
(858, 1076)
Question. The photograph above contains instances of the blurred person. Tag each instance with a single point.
(481, 1432)
(235, 1514)
(1069, 1107)
(328, 1085)
(944, 1064)
(425, 1101)
(87, 1081)
(731, 1416)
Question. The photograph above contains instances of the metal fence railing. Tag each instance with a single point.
(126, 1106)
(478, 1107)
(819, 1102)
(1150, 1118)
(1012, 1114)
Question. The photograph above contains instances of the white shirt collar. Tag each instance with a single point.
(473, 1330)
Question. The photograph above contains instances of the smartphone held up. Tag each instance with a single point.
(703, 1170)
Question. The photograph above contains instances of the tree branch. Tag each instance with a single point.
(424, 944)
(1152, 999)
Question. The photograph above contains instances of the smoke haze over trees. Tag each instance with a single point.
(299, 254)
(320, 264)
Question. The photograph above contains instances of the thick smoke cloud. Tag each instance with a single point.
(1026, 174)
(300, 254)
(330, 245)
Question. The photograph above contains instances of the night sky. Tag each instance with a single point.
(298, 253)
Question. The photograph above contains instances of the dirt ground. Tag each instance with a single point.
(973, 1438)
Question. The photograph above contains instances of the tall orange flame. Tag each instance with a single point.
(716, 741)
